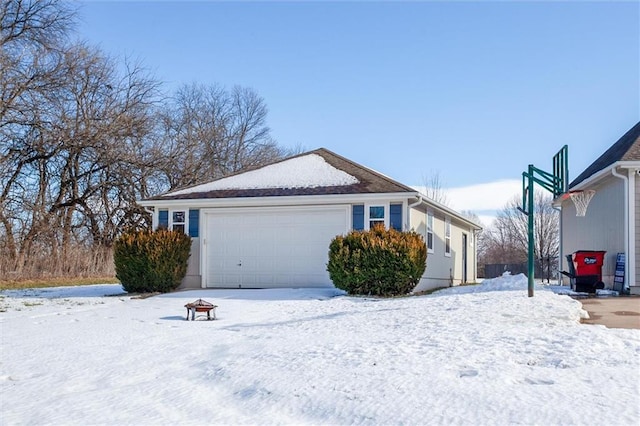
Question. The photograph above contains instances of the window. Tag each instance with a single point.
(447, 237)
(194, 223)
(163, 219)
(357, 217)
(376, 216)
(178, 220)
(430, 232)
(367, 216)
(395, 216)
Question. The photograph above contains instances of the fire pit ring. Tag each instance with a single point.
(201, 305)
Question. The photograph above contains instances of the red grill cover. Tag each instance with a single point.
(588, 262)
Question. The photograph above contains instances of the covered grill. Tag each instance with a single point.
(585, 270)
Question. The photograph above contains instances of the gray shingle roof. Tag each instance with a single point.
(369, 182)
(627, 148)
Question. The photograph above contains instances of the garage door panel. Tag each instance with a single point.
(276, 247)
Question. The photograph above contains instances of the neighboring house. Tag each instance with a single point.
(272, 226)
(612, 221)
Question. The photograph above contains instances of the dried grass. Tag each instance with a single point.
(80, 265)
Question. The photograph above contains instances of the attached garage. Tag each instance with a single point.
(261, 247)
(271, 226)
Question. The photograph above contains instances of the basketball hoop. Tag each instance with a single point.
(581, 199)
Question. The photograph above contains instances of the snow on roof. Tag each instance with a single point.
(307, 171)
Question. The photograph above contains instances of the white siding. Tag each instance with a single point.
(444, 271)
(602, 228)
(193, 279)
(418, 222)
(441, 271)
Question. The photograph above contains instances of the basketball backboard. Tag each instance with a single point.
(560, 172)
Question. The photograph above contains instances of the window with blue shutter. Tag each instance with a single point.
(194, 223)
(395, 216)
(163, 219)
(357, 212)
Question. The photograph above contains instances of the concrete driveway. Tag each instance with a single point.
(613, 312)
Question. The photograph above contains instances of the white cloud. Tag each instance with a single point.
(486, 220)
(483, 199)
(483, 196)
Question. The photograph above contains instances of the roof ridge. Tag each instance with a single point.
(347, 177)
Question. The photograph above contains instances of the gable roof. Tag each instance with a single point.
(627, 148)
(318, 172)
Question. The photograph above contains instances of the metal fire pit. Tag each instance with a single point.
(201, 306)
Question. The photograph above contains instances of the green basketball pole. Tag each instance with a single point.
(556, 183)
(530, 235)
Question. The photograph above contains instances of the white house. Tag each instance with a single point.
(272, 226)
(612, 220)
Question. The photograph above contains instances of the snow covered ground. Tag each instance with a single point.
(468, 355)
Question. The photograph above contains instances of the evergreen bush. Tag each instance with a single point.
(151, 261)
(379, 262)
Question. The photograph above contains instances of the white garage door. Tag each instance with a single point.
(271, 247)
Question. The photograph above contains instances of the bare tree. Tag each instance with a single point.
(32, 34)
(102, 118)
(506, 241)
(82, 139)
(471, 216)
(38, 23)
(433, 188)
(69, 157)
(208, 132)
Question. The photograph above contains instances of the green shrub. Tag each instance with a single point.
(378, 262)
(151, 261)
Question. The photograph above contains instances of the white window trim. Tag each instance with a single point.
(184, 223)
(430, 231)
(367, 218)
(447, 225)
(170, 224)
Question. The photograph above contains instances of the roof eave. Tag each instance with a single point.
(284, 200)
(432, 203)
(602, 174)
(303, 200)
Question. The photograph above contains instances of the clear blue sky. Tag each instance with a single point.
(474, 90)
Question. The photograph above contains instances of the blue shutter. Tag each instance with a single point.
(163, 219)
(395, 216)
(357, 217)
(194, 223)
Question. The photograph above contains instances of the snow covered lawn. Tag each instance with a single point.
(472, 355)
